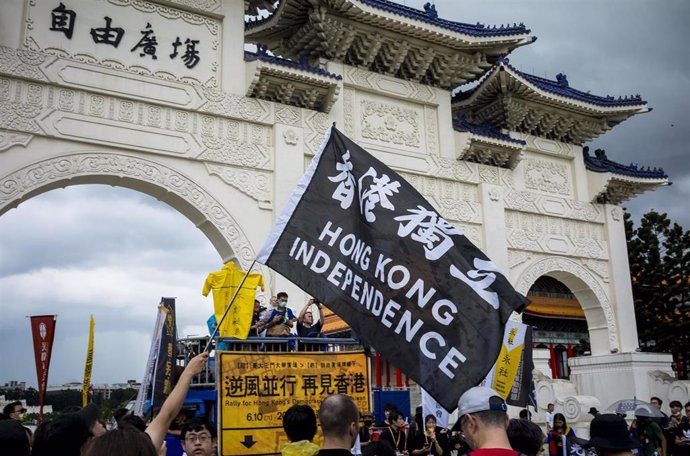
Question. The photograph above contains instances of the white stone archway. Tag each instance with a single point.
(147, 176)
(589, 292)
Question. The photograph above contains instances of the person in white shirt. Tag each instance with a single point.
(549, 417)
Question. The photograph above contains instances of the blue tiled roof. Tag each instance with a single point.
(559, 87)
(430, 16)
(264, 57)
(599, 163)
(484, 129)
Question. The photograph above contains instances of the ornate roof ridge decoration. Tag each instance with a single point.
(488, 146)
(600, 163)
(386, 38)
(484, 129)
(560, 86)
(612, 183)
(290, 82)
(264, 56)
(516, 101)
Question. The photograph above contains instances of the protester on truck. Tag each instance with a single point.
(281, 319)
(305, 320)
(259, 317)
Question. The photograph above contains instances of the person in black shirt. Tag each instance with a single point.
(431, 440)
(305, 320)
(365, 430)
(395, 433)
(338, 416)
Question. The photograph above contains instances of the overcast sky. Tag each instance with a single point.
(114, 252)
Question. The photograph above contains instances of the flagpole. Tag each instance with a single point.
(227, 308)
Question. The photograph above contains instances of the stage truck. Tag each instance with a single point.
(246, 388)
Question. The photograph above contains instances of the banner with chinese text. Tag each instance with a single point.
(362, 240)
(88, 365)
(165, 361)
(255, 389)
(43, 334)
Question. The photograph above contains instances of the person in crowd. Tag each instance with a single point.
(415, 427)
(556, 437)
(650, 436)
(660, 420)
(609, 436)
(299, 423)
(198, 438)
(338, 416)
(132, 421)
(548, 416)
(68, 432)
(483, 420)
(14, 410)
(123, 441)
(432, 440)
(173, 440)
(378, 449)
(305, 320)
(366, 429)
(525, 436)
(281, 319)
(682, 434)
(259, 317)
(395, 432)
(387, 409)
(13, 438)
(172, 405)
(593, 411)
(525, 415)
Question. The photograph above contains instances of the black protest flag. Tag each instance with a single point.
(361, 239)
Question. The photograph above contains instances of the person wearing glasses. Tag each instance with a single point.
(14, 410)
(198, 438)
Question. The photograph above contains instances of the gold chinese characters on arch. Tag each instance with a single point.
(255, 390)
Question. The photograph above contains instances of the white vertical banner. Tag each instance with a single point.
(150, 363)
(431, 407)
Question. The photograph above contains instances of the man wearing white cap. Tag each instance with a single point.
(484, 420)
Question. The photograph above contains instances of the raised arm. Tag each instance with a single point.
(300, 317)
(173, 404)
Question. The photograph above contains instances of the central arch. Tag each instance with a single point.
(588, 291)
(152, 178)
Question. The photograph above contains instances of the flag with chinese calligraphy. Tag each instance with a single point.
(88, 365)
(361, 239)
(43, 333)
(511, 374)
(165, 359)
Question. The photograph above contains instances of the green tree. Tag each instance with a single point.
(659, 256)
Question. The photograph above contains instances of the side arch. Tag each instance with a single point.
(588, 291)
(123, 170)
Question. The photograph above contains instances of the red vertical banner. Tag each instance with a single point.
(43, 332)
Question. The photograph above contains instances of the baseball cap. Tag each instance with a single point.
(478, 399)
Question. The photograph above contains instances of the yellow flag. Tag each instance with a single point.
(224, 283)
(509, 358)
(87, 367)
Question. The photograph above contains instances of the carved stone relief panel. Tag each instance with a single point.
(255, 184)
(526, 201)
(393, 124)
(349, 111)
(288, 115)
(316, 124)
(388, 85)
(10, 138)
(560, 236)
(447, 168)
(137, 36)
(208, 6)
(547, 176)
(83, 116)
(454, 200)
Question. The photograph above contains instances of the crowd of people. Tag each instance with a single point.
(655, 432)
(483, 428)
